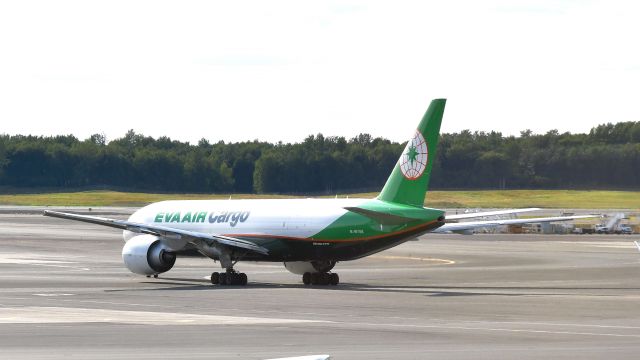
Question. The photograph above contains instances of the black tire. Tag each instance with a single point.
(243, 279)
(222, 280)
(325, 278)
(215, 278)
(334, 279)
(232, 279)
(315, 278)
(306, 278)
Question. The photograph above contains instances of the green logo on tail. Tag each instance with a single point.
(409, 179)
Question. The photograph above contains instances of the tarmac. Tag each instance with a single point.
(64, 293)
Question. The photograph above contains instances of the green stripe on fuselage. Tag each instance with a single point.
(289, 249)
(351, 236)
(354, 226)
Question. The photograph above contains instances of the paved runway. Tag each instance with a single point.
(65, 293)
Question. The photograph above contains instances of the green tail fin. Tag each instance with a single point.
(410, 177)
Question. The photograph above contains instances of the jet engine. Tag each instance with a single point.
(147, 255)
(301, 267)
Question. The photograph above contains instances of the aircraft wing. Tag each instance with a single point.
(470, 225)
(168, 233)
(489, 213)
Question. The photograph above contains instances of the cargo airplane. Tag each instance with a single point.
(308, 235)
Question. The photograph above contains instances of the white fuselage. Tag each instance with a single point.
(300, 218)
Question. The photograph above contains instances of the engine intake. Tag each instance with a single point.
(147, 255)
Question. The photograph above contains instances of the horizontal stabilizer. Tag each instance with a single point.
(471, 215)
(470, 225)
(381, 217)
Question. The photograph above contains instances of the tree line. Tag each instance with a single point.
(608, 157)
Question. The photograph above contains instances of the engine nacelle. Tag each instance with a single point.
(301, 267)
(147, 255)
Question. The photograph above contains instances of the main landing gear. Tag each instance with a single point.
(230, 277)
(325, 278)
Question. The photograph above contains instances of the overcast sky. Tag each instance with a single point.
(281, 70)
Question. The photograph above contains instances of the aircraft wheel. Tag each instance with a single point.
(215, 278)
(334, 279)
(155, 276)
(326, 279)
(315, 278)
(306, 278)
(222, 279)
(243, 279)
(232, 279)
(321, 279)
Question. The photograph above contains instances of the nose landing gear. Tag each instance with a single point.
(325, 278)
